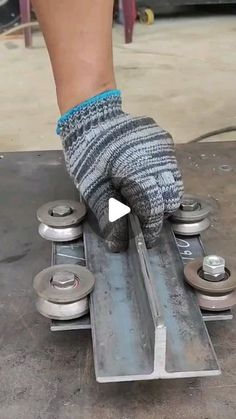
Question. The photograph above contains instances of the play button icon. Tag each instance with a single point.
(116, 210)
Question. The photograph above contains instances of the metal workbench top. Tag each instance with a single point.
(47, 375)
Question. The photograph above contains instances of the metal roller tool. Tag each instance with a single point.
(140, 303)
(62, 291)
(61, 220)
(201, 271)
(192, 216)
(215, 283)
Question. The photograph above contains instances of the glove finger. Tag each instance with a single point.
(179, 184)
(115, 233)
(151, 230)
(170, 191)
(145, 199)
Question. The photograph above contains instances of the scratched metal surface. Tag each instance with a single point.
(72, 252)
(190, 247)
(116, 316)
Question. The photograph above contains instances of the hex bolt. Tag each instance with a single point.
(63, 279)
(213, 268)
(61, 210)
(189, 204)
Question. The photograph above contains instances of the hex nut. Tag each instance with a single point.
(61, 210)
(213, 277)
(63, 279)
(189, 204)
(213, 265)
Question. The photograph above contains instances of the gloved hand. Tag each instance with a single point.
(111, 154)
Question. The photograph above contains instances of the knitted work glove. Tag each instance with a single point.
(111, 154)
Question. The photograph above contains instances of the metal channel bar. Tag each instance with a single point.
(191, 248)
(145, 321)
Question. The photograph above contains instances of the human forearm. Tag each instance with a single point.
(78, 34)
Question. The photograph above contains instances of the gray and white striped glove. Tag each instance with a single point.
(111, 154)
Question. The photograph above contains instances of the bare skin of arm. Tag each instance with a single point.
(78, 34)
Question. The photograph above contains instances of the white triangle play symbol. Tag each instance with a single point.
(116, 210)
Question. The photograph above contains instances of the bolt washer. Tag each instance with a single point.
(45, 214)
(194, 216)
(61, 228)
(212, 296)
(84, 284)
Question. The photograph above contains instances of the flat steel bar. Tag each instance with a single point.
(82, 323)
(70, 252)
(210, 316)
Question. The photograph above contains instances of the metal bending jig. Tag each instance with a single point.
(146, 322)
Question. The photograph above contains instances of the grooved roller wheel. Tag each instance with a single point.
(192, 276)
(211, 295)
(62, 291)
(190, 229)
(67, 311)
(81, 284)
(64, 234)
(200, 210)
(60, 220)
(192, 216)
(216, 302)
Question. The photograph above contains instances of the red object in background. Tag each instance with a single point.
(130, 13)
(26, 18)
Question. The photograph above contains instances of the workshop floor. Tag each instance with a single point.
(181, 71)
